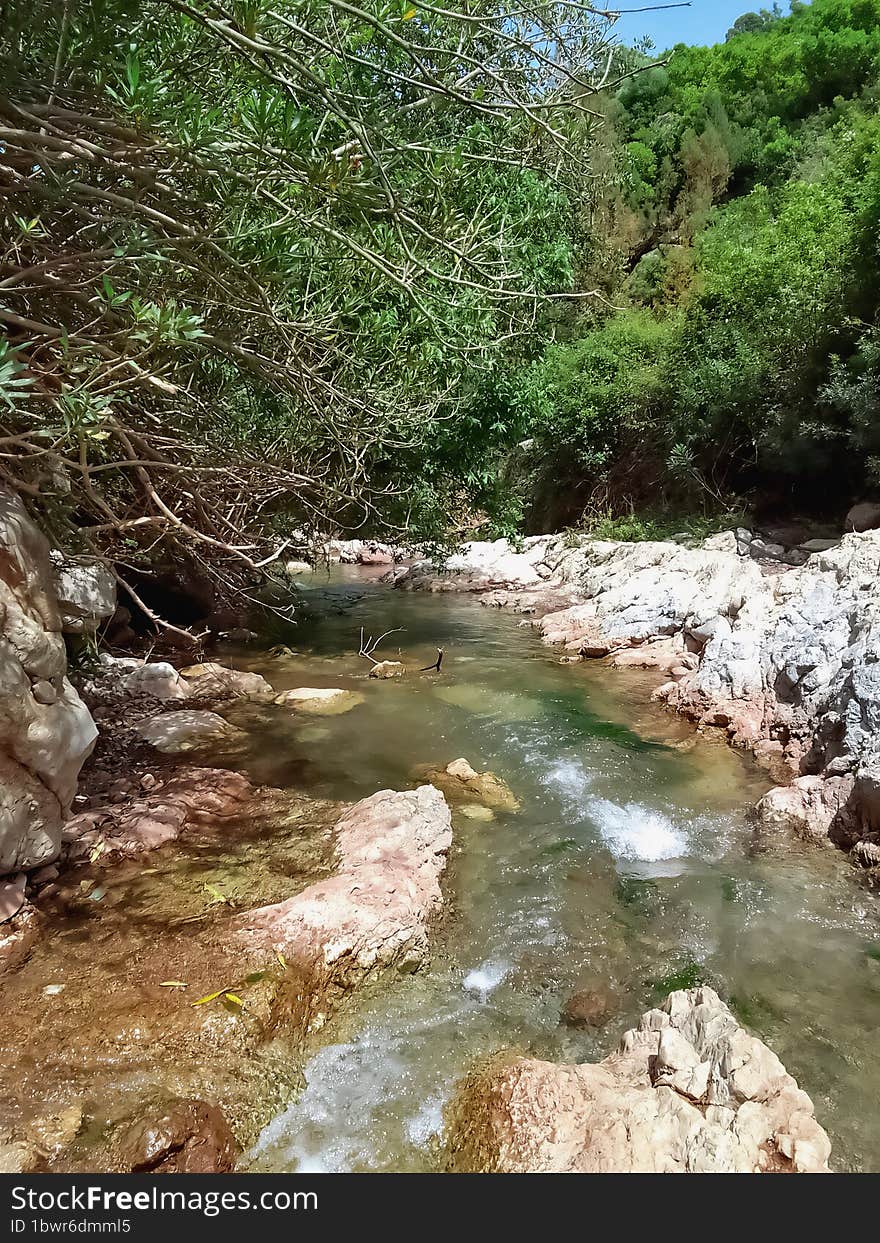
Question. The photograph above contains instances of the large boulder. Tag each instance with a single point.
(217, 681)
(86, 592)
(634, 593)
(809, 806)
(798, 661)
(46, 732)
(373, 913)
(688, 1091)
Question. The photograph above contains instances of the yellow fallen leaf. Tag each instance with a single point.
(172, 984)
(410, 13)
(216, 894)
(232, 997)
(210, 997)
(281, 959)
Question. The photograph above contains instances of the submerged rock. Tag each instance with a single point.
(688, 1091)
(463, 784)
(590, 1007)
(46, 731)
(53, 1132)
(388, 669)
(475, 811)
(483, 701)
(178, 1137)
(186, 730)
(18, 1156)
(320, 701)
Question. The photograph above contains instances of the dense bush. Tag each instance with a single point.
(740, 350)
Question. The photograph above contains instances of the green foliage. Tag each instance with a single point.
(375, 264)
(742, 351)
(13, 378)
(290, 238)
(648, 524)
(591, 392)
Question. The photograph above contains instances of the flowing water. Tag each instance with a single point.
(630, 870)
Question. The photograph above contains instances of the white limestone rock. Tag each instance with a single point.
(46, 731)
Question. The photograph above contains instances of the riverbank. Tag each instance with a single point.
(778, 654)
(620, 869)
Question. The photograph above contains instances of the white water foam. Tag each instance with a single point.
(631, 831)
(636, 832)
(570, 779)
(367, 1101)
(427, 1123)
(484, 979)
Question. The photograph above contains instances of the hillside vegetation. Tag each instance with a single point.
(397, 266)
(736, 242)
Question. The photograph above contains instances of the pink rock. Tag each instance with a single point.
(18, 937)
(374, 912)
(194, 796)
(12, 897)
(807, 807)
(688, 1091)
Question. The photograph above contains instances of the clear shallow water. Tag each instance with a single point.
(630, 868)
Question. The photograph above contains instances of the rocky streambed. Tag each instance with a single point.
(232, 951)
(784, 659)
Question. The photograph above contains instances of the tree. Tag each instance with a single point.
(754, 23)
(254, 249)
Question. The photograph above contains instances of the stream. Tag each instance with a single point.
(631, 870)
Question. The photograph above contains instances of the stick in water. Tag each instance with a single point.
(435, 668)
